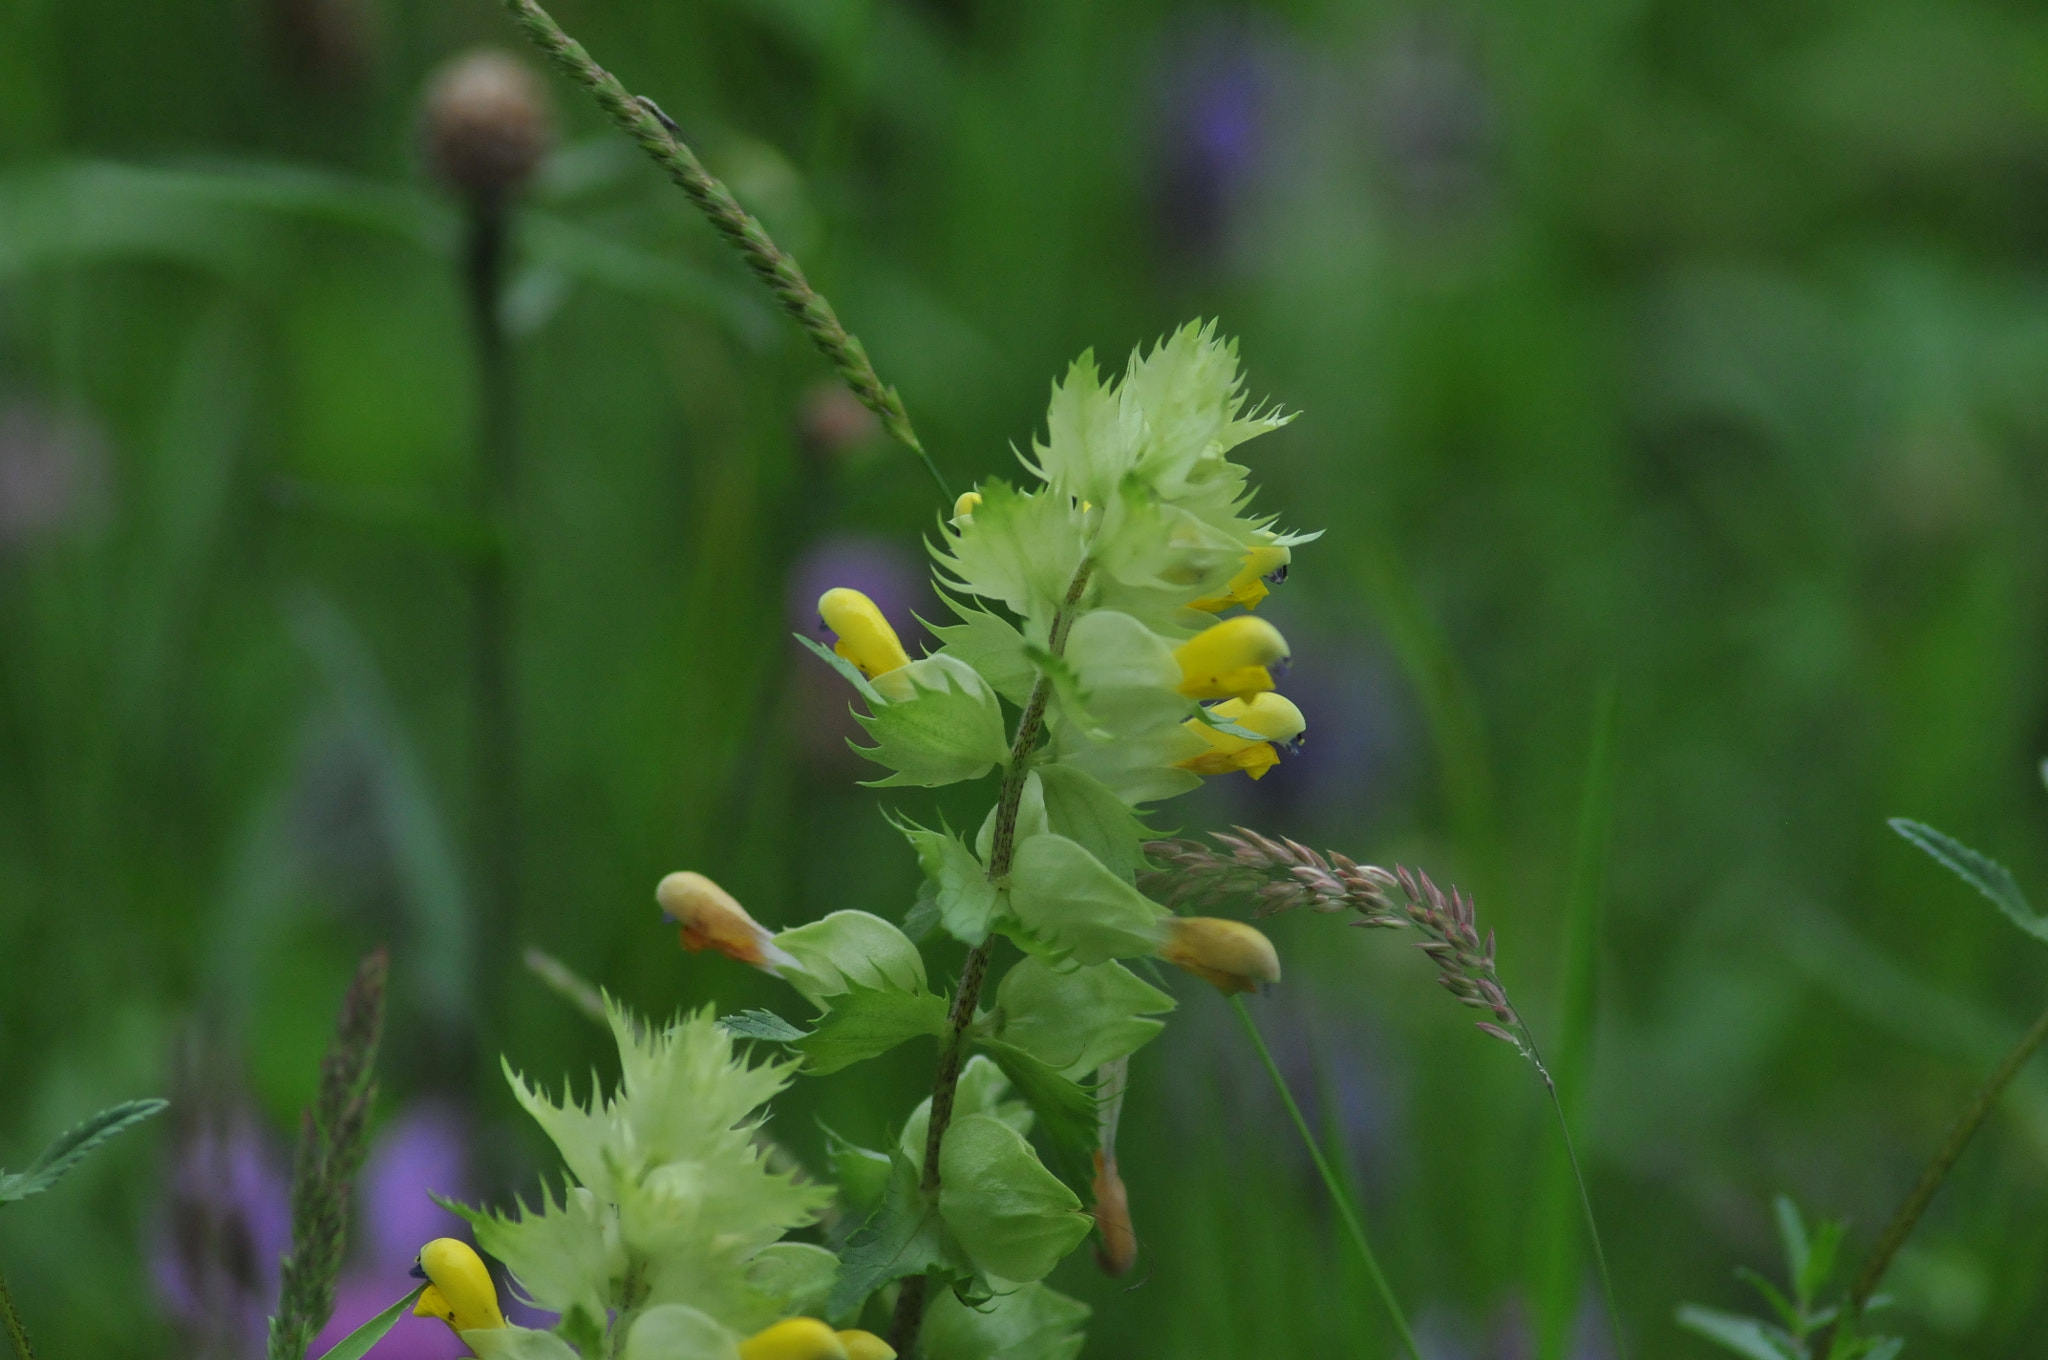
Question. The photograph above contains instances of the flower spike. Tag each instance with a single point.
(711, 919)
(1234, 659)
(459, 1289)
(1272, 716)
(865, 637)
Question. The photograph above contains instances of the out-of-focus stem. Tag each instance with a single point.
(16, 1333)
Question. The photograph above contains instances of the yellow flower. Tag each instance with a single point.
(1231, 660)
(866, 1345)
(1270, 715)
(1230, 954)
(711, 919)
(865, 637)
(797, 1338)
(1266, 562)
(963, 509)
(459, 1289)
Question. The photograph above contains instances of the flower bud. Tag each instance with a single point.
(711, 919)
(963, 509)
(1271, 715)
(866, 1346)
(1232, 955)
(459, 1289)
(1118, 1250)
(865, 637)
(486, 125)
(1263, 563)
(797, 1338)
(1231, 660)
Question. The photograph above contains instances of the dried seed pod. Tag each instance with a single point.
(485, 125)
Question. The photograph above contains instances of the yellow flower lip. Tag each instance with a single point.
(797, 1338)
(711, 919)
(964, 507)
(865, 637)
(1233, 956)
(1262, 563)
(1272, 716)
(865, 1345)
(1233, 659)
(459, 1291)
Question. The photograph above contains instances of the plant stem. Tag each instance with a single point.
(16, 1333)
(909, 1314)
(1571, 1152)
(1345, 1209)
(660, 138)
(494, 753)
(1908, 1217)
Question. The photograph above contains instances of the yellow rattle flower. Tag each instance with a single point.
(459, 1289)
(963, 509)
(865, 637)
(711, 919)
(1266, 562)
(797, 1338)
(1272, 716)
(1230, 954)
(1231, 660)
(866, 1345)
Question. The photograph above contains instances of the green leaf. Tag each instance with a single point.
(1081, 807)
(1787, 1311)
(905, 1236)
(561, 1252)
(676, 1331)
(866, 1022)
(1065, 1110)
(948, 727)
(848, 949)
(1013, 1218)
(849, 671)
(993, 646)
(1981, 872)
(798, 1275)
(1743, 1335)
(357, 1343)
(862, 1174)
(1067, 905)
(1131, 684)
(759, 1024)
(1820, 1260)
(73, 1146)
(982, 1089)
(519, 1343)
(1032, 1323)
(1080, 1018)
(1792, 1237)
(961, 895)
(1019, 548)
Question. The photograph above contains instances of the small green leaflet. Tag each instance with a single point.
(1981, 872)
(1066, 1110)
(905, 1236)
(867, 1022)
(73, 1146)
(1743, 1335)
(357, 1343)
(758, 1024)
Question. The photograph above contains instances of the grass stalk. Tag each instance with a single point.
(657, 134)
(1346, 1210)
(1571, 1152)
(16, 1332)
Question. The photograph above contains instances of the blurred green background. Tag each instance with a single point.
(1671, 370)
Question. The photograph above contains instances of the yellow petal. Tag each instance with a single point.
(865, 637)
(962, 509)
(711, 919)
(1230, 660)
(1232, 955)
(431, 1304)
(463, 1283)
(1266, 562)
(866, 1345)
(797, 1338)
(1271, 715)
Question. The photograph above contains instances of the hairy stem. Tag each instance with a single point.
(643, 121)
(16, 1333)
(909, 1315)
(1908, 1217)
(1345, 1209)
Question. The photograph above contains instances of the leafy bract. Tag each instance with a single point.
(73, 1146)
(799, 1273)
(1078, 1019)
(1019, 548)
(862, 1173)
(866, 1022)
(1083, 809)
(1065, 1111)
(1131, 685)
(961, 895)
(848, 949)
(1031, 1323)
(1980, 871)
(946, 727)
(1013, 1218)
(1067, 905)
(676, 1331)
(759, 1024)
(564, 1255)
(982, 1089)
(905, 1236)
(357, 1343)
(994, 647)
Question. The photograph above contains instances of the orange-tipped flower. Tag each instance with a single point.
(1234, 659)
(1230, 954)
(711, 919)
(1117, 1252)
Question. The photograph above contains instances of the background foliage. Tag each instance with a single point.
(1693, 353)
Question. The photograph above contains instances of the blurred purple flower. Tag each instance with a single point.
(1211, 128)
(422, 1153)
(52, 471)
(229, 1221)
